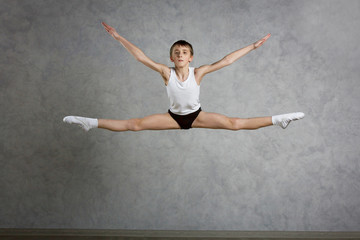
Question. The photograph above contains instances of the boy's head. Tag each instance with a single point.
(182, 43)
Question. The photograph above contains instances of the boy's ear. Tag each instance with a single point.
(191, 58)
(172, 60)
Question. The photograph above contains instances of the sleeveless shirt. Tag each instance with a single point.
(184, 96)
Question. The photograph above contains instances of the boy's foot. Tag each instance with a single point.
(285, 119)
(84, 123)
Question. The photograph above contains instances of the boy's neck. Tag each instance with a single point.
(182, 69)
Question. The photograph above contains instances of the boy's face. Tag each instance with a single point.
(181, 55)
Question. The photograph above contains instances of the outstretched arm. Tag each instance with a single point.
(229, 59)
(138, 54)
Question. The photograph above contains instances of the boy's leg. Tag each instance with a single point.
(152, 122)
(218, 121)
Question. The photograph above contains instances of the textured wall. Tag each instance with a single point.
(57, 60)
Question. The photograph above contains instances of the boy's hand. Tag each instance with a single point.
(111, 31)
(261, 41)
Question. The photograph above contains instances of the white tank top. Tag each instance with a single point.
(184, 96)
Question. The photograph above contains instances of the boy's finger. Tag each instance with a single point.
(106, 26)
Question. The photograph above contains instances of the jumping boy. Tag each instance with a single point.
(183, 88)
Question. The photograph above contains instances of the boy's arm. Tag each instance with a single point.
(138, 54)
(228, 59)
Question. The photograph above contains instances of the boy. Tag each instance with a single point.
(183, 87)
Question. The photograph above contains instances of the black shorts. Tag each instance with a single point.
(185, 121)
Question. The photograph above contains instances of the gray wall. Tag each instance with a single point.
(57, 60)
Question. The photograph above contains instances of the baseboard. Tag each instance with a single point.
(79, 234)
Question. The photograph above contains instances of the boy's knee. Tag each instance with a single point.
(236, 124)
(134, 124)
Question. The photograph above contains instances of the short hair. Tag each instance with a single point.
(184, 44)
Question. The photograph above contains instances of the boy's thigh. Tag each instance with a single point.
(161, 121)
(212, 120)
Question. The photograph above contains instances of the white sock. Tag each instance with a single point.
(84, 123)
(285, 119)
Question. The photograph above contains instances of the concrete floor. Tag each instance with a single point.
(39, 234)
